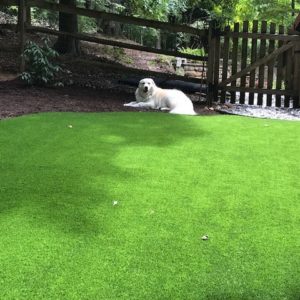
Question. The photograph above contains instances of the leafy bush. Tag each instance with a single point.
(192, 51)
(39, 68)
(86, 24)
(45, 18)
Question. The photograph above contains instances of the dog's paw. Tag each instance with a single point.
(131, 104)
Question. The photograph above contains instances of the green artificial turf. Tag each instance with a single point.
(176, 178)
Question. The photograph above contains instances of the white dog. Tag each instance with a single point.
(150, 96)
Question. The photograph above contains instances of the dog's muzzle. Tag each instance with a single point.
(145, 89)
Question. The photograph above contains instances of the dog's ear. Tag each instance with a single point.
(152, 83)
(140, 83)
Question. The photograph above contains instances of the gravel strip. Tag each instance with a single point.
(261, 112)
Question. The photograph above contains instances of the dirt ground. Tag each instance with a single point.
(91, 84)
(16, 99)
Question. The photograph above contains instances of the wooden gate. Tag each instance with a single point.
(256, 64)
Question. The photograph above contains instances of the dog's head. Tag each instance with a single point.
(146, 86)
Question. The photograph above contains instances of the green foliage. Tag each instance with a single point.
(10, 10)
(157, 9)
(143, 35)
(39, 68)
(278, 11)
(193, 51)
(44, 16)
(86, 24)
(105, 5)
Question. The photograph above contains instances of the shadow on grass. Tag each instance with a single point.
(66, 176)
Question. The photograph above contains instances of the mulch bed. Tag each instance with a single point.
(17, 99)
(90, 86)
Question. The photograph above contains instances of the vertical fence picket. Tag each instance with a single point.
(296, 78)
(289, 58)
(211, 62)
(271, 65)
(279, 69)
(253, 59)
(22, 20)
(225, 61)
(262, 52)
(244, 60)
(234, 58)
(217, 66)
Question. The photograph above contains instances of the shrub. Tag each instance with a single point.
(196, 51)
(40, 70)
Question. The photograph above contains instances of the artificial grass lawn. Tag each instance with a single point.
(175, 179)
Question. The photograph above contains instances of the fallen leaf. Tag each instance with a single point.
(204, 238)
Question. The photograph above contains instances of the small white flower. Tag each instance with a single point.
(204, 238)
(115, 203)
(70, 126)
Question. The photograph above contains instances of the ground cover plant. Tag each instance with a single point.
(114, 205)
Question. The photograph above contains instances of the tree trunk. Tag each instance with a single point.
(88, 4)
(109, 27)
(158, 40)
(67, 23)
(293, 7)
(28, 15)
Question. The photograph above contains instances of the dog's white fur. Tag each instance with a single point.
(150, 96)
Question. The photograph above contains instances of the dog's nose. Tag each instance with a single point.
(145, 89)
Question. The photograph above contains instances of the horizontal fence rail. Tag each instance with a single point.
(85, 37)
(9, 2)
(262, 36)
(115, 17)
(97, 14)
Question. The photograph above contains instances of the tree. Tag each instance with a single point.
(67, 23)
(109, 27)
(279, 12)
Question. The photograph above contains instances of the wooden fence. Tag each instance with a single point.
(24, 27)
(256, 63)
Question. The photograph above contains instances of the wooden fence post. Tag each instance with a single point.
(253, 59)
(271, 65)
(225, 61)
(216, 65)
(211, 62)
(297, 75)
(234, 59)
(28, 14)
(22, 33)
(279, 75)
(244, 60)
